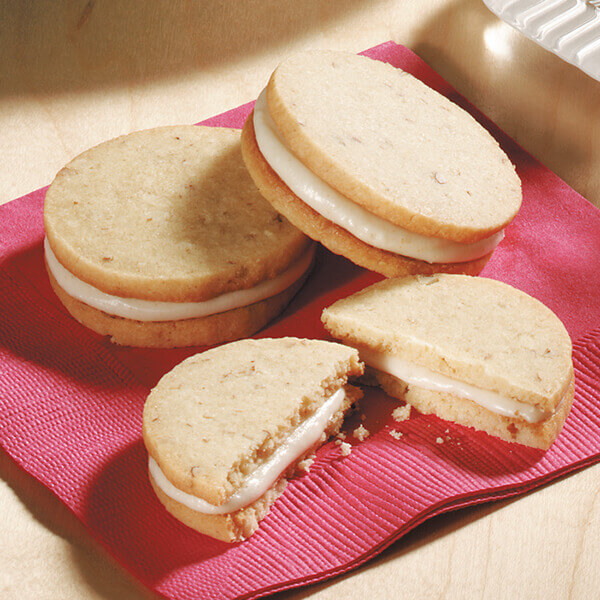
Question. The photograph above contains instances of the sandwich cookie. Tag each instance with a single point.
(160, 239)
(378, 167)
(468, 349)
(225, 429)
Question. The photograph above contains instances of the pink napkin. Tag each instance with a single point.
(71, 404)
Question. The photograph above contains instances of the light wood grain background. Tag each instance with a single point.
(73, 74)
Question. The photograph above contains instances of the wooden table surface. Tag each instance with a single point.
(76, 73)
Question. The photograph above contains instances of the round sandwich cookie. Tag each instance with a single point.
(378, 167)
(227, 428)
(160, 239)
(467, 349)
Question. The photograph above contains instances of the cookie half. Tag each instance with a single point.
(160, 238)
(226, 428)
(468, 349)
(378, 167)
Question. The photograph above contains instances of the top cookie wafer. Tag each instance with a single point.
(167, 214)
(394, 146)
(473, 329)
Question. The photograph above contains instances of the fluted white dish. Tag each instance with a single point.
(569, 28)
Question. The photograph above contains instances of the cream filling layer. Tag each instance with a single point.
(264, 477)
(335, 207)
(425, 378)
(148, 310)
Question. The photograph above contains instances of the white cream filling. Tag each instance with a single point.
(257, 483)
(335, 207)
(425, 378)
(148, 310)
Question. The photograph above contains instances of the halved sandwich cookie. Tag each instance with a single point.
(160, 238)
(378, 167)
(226, 428)
(468, 349)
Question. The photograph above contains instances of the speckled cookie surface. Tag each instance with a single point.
(167, 214)
(472, 329)
(391, 144)
(216, 416)
(332, 236)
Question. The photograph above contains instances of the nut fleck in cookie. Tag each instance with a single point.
(468, 349)
(160, 238)
(378, 167)
(225, 429)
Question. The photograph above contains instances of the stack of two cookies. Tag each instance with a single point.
(470, 350)
(378, 167)
(160, 239)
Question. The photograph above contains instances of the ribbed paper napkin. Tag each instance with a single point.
(71, 405)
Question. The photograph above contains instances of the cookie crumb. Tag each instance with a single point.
(439, 440)
(428, 281)
(346, 448)
(401, 413)
(341, 436)
(396, 434)
(361, 433)
(306, 464)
